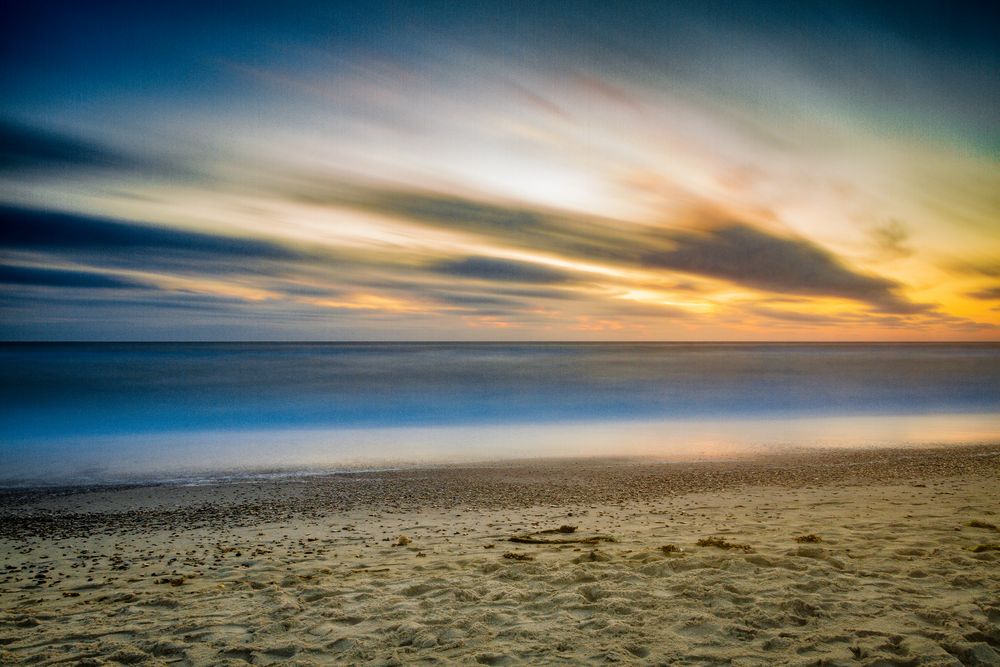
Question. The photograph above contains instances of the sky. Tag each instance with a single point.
(500, 171)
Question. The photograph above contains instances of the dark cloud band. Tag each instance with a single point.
(64, 278)
(753, 257)
(733, 251)
(986, 294)
(500, 270)
(26, 229)
(30, 152)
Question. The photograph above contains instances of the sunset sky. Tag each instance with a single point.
(500, 170)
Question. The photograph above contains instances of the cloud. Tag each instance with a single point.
(500, 270)
(100, 306)
(478, 301)
(986, 294)
(29, 150)
(308, 282)
(125, 242)
(733, 251)
(989, 268)
(45, 277)
(801, 317)
(983, 268)
(890, 239)
(540, 230)
(542, 293)
(756, 258)
(26, 148)
(622, 307)
(515, 300)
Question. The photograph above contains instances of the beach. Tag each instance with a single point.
(500, 333)
(826, 557)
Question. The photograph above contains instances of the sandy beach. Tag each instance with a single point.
(860, 557)
(532, 332)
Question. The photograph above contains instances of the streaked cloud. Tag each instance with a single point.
(64, 278)
(891, 239)
(986, 293)
(37, 230)
(24, 148)
(500, 270)
(32, 152)
(375, 170)
(733, 251)
(756, 258)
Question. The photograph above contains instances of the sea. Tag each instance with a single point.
(96, 413)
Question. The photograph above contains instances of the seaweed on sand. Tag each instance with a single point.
(975, 523)
(720, 543)
(531, 539)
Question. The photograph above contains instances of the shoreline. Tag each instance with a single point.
(317, 570)
(511, 484)
(267, 473)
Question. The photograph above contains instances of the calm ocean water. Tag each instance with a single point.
(87, 412)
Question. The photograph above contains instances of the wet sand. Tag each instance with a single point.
(862, 557)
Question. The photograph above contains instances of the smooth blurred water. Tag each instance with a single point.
(103, 410)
